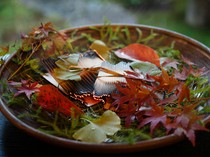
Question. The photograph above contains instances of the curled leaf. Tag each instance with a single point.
(138, 52)
(145, 67)
(101, 48)
(65, 62)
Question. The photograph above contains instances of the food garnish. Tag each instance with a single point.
(112, 89)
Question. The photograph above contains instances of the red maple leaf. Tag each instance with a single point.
(25, 86)
(181, 75)
(198, 72)
(155, 116)
(167, 82)
(184, 92)
(186, 121)
(167, 101)
(132, 92)
(131, 96)
(186, 60)
(189, 69)
(168, 62)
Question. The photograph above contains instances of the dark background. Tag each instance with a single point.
(189, 17)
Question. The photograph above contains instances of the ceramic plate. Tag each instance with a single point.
(190, 48)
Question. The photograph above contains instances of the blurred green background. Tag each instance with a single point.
(20, 16)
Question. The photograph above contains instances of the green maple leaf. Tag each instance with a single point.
(97, 131)
(65, 70)
(68, 74)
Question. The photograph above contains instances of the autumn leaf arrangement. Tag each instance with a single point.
(112, 89)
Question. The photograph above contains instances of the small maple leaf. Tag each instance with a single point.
(198, 72)
(129, 112)
(131, 96)
(25, 86)
(132, 92)
(46, 28)
(169, 63)
(189, 69)
(186, 122)
(166, 82)
(155, 116)
(186, 60)
(184, 93)
(181, 75)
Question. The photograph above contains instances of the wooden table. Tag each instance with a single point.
(15, 143)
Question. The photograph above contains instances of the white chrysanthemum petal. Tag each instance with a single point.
(119, 68)
(85, 62)
(105, 83)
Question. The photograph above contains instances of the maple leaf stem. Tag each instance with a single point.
(33, 51)
(111, 72)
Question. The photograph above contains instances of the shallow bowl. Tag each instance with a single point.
(190, 48)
